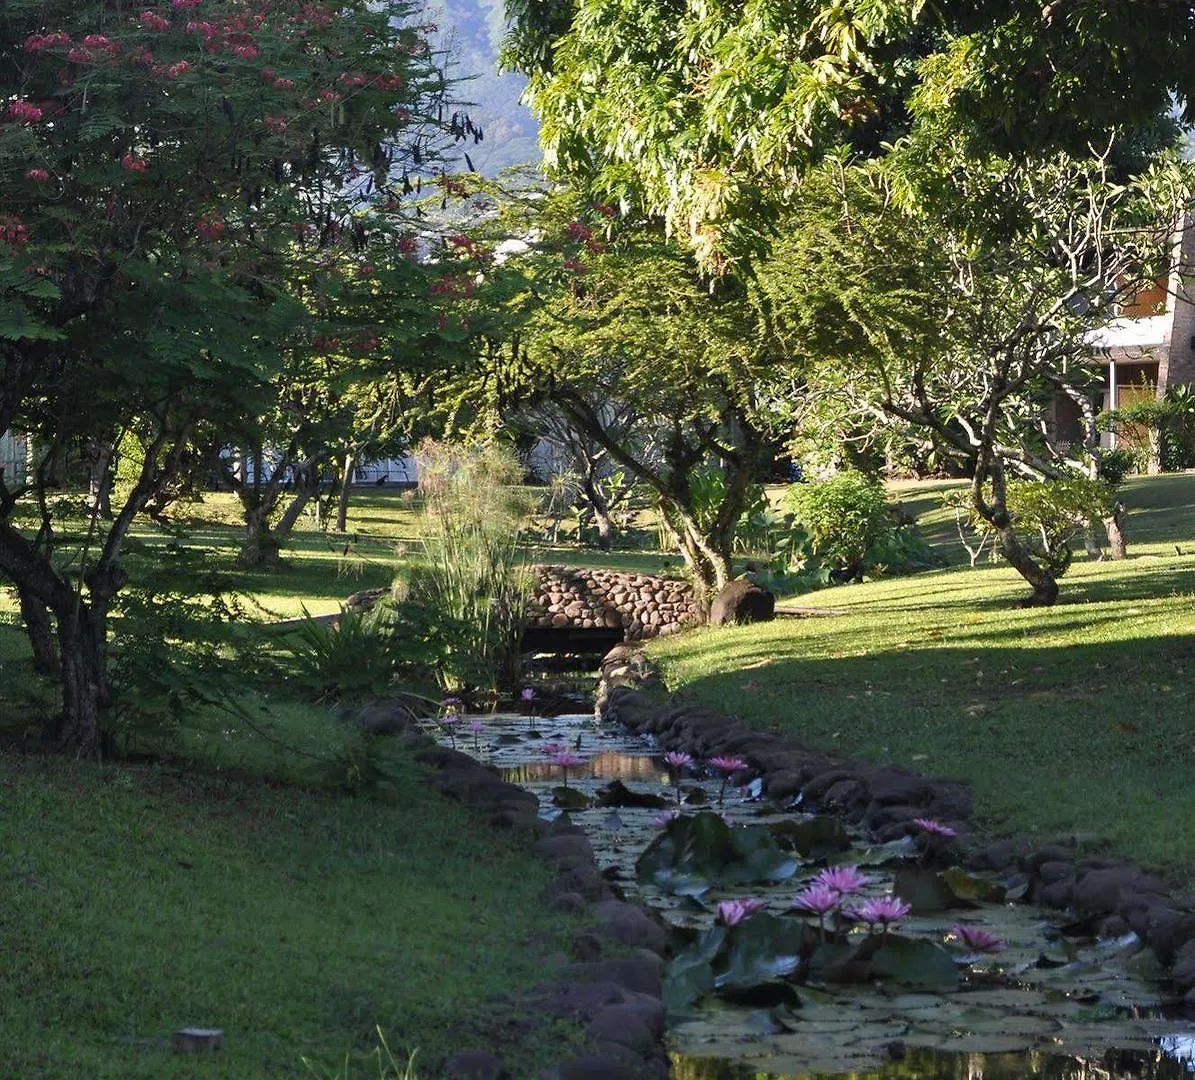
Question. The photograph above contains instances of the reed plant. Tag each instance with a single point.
(475, 509)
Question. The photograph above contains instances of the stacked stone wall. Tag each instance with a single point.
(642, 605)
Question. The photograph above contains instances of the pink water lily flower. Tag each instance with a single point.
(665, 818)
(977, 939)
(554, 748)
(842, 880)
(677, 759)
(477, 726)
(882, 911)
(566, 759)
(818, 900)
(528, 694)
(728, 764)
(733, 912)
(934, 828)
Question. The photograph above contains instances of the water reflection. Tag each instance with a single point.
(936, 1065)
(607, 765)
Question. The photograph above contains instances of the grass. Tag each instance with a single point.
(1071, 720)
(234, 883)
(141, 899)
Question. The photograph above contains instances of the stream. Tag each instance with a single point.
(1054, 1002)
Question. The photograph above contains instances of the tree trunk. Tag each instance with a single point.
(995, 513)
(346, 483)
(1091, 541)
(1114, 527)
(85, 690)
(100, 480)
(40, 633)
(261, 547)
(1045, 587)
(601, 512)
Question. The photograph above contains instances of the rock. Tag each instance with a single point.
(844, 795)
(1167, 930)
(742, 601)
(1100, 890)
(570, 903)
(783, 784)
(891, 788)
(563, 1001)
(624, 1025)
(587, 882)
(641, 974)
(1056, 870)
(1183, 972)
(630, 925)
(383, 717)
(596, 1067)
(556, 848)
(999, 855)
(474, 1065)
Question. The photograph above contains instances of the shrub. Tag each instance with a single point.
(844, 516)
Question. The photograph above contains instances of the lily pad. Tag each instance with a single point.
(925, 890)
(693, 854)
(616, 793)
(814, 837)
(568, 798)
(970, 887)
(762, 949)
(914, 962)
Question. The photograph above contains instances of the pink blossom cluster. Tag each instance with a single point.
(151, 20)
(13, 231)
(37, 175)
(24, 112)
(39, 42)
(134, 163)
(210, 228)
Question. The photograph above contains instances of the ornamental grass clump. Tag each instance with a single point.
(475, 509)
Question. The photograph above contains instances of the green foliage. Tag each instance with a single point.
(708, 117)
(474, 512)
(1046, 514)
(340, 658)
(695, 853)
(845, 515)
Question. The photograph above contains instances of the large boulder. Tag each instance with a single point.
(742, 601)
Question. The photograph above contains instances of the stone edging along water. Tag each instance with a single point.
(1115, 894)
(611, 986)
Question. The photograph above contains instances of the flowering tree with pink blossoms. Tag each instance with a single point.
(170, 170)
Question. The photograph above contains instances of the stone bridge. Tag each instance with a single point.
(632, 606)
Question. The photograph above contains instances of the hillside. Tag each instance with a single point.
(472, 31)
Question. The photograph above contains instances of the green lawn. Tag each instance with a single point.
(1076, 719)
(234, 883)
(141, 899)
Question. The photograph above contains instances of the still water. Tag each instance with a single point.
(1045, 1008)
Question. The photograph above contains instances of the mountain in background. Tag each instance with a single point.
(472, 31)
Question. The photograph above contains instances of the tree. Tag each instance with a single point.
(709, 116)
(936, 326)
(668, 371)
(168, 170)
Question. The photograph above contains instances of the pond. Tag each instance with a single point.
(786, 993)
